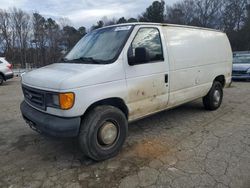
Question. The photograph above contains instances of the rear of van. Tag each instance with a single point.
(198, 57)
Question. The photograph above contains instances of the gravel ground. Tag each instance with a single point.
(183, 147)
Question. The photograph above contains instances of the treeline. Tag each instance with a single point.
(33, 40)
(230, 16)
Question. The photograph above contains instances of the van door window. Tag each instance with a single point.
(146, 47)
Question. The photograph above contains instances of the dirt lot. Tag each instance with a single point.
(183, 147)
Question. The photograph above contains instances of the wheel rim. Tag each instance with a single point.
(107, 134)
(217, 97)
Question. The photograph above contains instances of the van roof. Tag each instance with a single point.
(166, 24)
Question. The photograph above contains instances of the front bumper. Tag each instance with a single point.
(241, 77)
(49, 124)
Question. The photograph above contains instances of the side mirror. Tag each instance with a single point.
(141, 56)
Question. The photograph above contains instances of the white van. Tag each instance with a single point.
(118, 74)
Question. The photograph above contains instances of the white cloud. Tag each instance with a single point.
(82, 12)
(5, 4)
(92, 14)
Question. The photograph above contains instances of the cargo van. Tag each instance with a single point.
(122, 73)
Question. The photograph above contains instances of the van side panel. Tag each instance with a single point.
(197, 57)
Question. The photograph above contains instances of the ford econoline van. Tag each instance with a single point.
(122, 73)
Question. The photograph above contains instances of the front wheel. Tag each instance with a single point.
(103, 132)
(1, 79)
(212, 101)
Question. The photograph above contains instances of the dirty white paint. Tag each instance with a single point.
(198, 57)
(193, 58)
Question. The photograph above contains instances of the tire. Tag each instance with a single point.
(1, 79)
(93, 139)
(212, 101)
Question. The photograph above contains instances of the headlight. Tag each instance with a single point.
(52, 100)
(248, 71)
(66, 100)
(63, 101)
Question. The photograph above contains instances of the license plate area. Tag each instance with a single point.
(31, 124)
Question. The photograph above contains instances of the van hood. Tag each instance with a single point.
(64, 76)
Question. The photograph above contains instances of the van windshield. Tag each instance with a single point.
(101, 46)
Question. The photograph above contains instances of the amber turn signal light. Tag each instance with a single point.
(66, 100)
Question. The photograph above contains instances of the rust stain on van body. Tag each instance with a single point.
(146, 97)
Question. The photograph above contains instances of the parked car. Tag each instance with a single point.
(122, 73)
(6, 72)
(241, 66)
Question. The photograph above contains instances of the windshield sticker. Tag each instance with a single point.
(122, 28)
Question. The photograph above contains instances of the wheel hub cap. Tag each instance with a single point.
(108, 133)
(216, 97)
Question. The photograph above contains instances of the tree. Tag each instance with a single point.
(121, 20)
(39, 39)
(5, 33)
(53, 36)
(33, 39)
(99, 24)
(235, 24)
(175, 15)
(82, 31)
(181, 13)
(62, 22)
(208, 12)
(247, 27)
(131, 20)
(203, 13)
(154, 13)
(234, 14)
(72, 36)
(21, 24)
(246, 30)
(108, 21)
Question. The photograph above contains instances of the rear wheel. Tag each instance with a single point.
(1, 79)
(213, 100)
(103, 132)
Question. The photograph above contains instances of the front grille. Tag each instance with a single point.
(34, 97)
(239, 72)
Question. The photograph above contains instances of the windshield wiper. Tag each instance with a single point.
(87, 60)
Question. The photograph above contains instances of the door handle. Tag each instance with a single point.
(166, 78)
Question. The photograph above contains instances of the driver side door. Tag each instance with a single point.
(147, 72)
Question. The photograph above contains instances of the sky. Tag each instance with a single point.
(82, 12)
